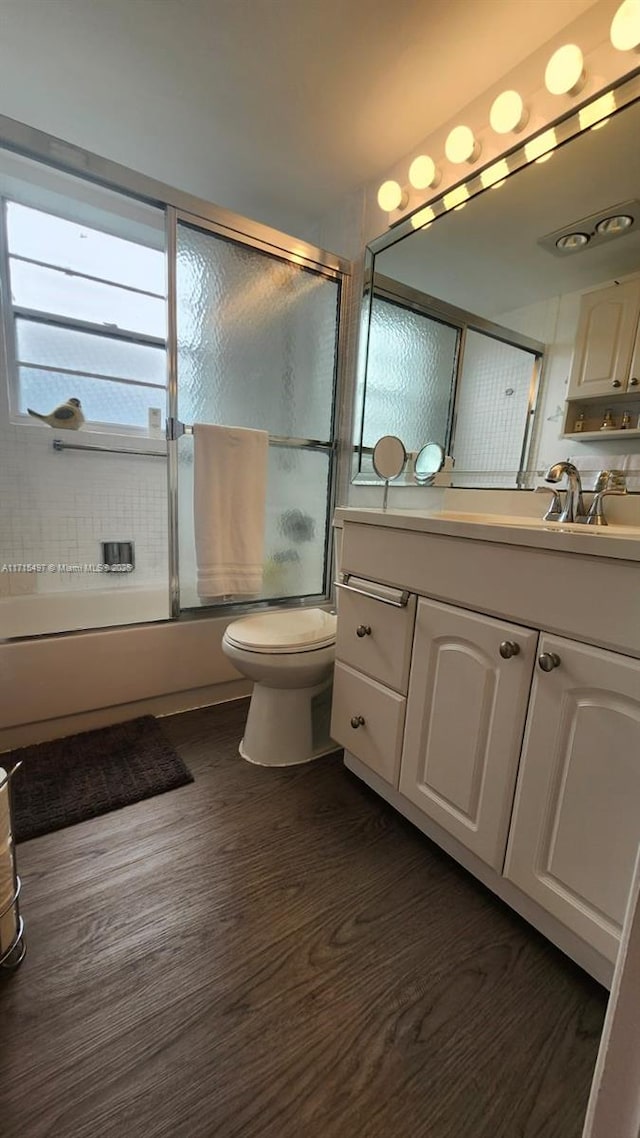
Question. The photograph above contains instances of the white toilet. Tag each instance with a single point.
(289, 656)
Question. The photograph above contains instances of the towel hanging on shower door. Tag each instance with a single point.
(229, 499)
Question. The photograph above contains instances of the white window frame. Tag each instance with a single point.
(10, 312)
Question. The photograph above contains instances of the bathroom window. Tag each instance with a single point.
(88, 315)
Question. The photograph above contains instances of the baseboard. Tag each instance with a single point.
(27, 733)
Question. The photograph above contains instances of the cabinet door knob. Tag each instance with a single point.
(509, 648)
(633, 382)
(616, 383)
(363, 630)
(548, 661)
(357, 721)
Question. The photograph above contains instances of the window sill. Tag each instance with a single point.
(98, 433)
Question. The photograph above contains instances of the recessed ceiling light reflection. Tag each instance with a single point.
(572, 241)
(612, 226)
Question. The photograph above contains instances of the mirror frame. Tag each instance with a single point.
(566, 128)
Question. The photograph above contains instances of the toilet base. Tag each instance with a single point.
(288, 726)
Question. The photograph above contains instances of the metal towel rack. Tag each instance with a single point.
(175, 430)
(58, 445)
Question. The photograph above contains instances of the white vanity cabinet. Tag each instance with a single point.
(468, 696)
(606, 349)
(576, 821)
(528, 777)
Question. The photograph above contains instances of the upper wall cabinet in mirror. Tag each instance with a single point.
(502, 321)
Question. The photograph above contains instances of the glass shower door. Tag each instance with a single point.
(256, 337)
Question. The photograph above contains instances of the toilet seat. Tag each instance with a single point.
(306, 630)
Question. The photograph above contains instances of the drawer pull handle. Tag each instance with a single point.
(633, 382)
(616, 383)
(363, 630)
(548, 661)
(357, 721)
(401, 603)
(509, 648)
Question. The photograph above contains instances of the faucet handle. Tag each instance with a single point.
(609, 483)
(555, 505)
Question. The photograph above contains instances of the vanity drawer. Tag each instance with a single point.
(378, 740)
(375, 637)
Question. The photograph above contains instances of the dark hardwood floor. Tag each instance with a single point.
(278, 953)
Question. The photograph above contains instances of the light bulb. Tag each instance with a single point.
(508, 113)
(423, 172)
(625, 26)
(565, 73)
(461, 145)
(391, 196)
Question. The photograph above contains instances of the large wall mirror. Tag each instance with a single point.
(475, 309)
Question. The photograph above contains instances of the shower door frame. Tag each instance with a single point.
(179, 205)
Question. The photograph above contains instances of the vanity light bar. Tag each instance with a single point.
(537, 148)
(565, 76)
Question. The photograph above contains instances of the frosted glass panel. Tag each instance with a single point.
(256, 339)
(44, 237)
(103, 400)
(51, 290)
(56, 347)
(296, 514)
(492, 410)
(410, 367)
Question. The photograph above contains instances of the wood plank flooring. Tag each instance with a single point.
(277, 953)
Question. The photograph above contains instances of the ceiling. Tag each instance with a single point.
(487, 258)
(274, 108)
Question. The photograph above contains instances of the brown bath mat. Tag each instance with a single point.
(69, 780)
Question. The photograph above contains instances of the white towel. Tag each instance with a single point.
(229, 494)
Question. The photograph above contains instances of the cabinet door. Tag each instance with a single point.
(466, 711)
(604, 341)
(576, 822)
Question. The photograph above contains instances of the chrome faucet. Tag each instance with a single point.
(574, 506)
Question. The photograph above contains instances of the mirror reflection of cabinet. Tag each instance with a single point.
(605, 374)
(606, 338)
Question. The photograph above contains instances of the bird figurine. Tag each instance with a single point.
(68, 416)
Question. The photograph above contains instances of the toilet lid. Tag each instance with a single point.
(300, 631)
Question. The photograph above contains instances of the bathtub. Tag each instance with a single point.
(36, 614)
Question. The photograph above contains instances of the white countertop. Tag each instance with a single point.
(613, 541)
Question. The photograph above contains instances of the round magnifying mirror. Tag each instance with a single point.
(429, 461)
(389, 457)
